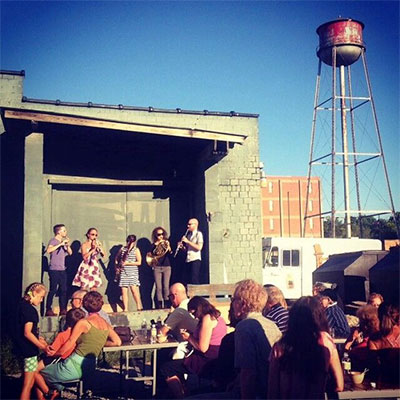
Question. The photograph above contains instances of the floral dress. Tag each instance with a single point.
(88, 274)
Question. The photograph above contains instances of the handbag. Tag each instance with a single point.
(125, 333)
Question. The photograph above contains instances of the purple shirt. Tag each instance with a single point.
(57, 257)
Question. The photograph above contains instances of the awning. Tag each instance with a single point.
(103, 123)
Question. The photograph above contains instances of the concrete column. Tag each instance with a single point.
(33, 209)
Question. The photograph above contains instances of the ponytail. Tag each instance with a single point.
(31, 289)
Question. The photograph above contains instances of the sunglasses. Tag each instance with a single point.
(160, 234)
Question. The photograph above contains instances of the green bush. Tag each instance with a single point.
(10, 362)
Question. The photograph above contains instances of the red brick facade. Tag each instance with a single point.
(284, 204)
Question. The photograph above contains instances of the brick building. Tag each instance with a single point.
(125, 170)
(284, 204)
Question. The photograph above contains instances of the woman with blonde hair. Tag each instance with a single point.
(254, 337)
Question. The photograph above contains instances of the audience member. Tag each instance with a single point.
(385, 348)
(27, 336)
(275, 309)
(224, 372)
(205, 340)
(357, 342)
(180, 318)
(335, 381)
(71, 318)
(76, 302)
(375, 299)
(89, 335)
(299, 363)
(254, 337)
(337, 321)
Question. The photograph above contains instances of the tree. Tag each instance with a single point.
(372, 228)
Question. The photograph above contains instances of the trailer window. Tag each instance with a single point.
(286, 258)
(295, 258)
(291, 258)
(274, 256)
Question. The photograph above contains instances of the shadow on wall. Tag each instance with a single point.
(146, 276)
(72, 263)
(113, 292)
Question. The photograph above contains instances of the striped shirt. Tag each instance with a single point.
(280, 316)
(337, 321)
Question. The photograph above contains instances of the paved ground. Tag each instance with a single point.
(103, 385)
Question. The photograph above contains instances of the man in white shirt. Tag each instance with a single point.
(193, 242)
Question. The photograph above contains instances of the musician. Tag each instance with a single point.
(193, 243)
(129, 259)
(88, 274)
(161, 250)
(58, 248)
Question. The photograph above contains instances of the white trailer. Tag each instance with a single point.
(289, 262)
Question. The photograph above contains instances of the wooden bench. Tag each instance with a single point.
(215, 293)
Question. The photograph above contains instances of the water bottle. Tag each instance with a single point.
(346, 363)
(144, 328)
(153, 334)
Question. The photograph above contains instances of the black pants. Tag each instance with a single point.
(58, 279)
(192, 272)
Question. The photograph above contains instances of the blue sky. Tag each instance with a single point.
(255, 57)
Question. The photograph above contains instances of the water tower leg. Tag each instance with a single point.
(364, 60)
(333, 157)
(345, 151)
(314, 121)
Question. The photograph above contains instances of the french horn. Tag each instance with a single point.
(158, 252)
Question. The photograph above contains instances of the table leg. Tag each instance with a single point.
(154, 371)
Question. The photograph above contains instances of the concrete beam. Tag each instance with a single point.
(33, 209)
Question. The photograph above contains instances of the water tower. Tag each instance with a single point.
(341, 45)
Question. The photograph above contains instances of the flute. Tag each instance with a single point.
(180, 244)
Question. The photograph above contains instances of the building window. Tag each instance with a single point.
(271, 224)
(310, 205)
(270, 187)
(271, 205)
(311, 223)
(310, 188)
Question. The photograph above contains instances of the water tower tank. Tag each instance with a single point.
(346, 36)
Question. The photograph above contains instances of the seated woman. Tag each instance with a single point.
(206, 340)
(357, 342)
(89, 335)
(375, 299)
(385, 347)
(335, 380)
(300, 361)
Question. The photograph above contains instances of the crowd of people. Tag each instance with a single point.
(272, 351)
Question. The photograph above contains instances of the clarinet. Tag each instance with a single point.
(180, 246)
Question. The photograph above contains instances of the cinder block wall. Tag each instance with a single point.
(233, 199)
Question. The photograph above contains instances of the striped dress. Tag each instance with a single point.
(129, 273)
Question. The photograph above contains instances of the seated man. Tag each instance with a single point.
(180, 318)
(337, 320)
(76, 302)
